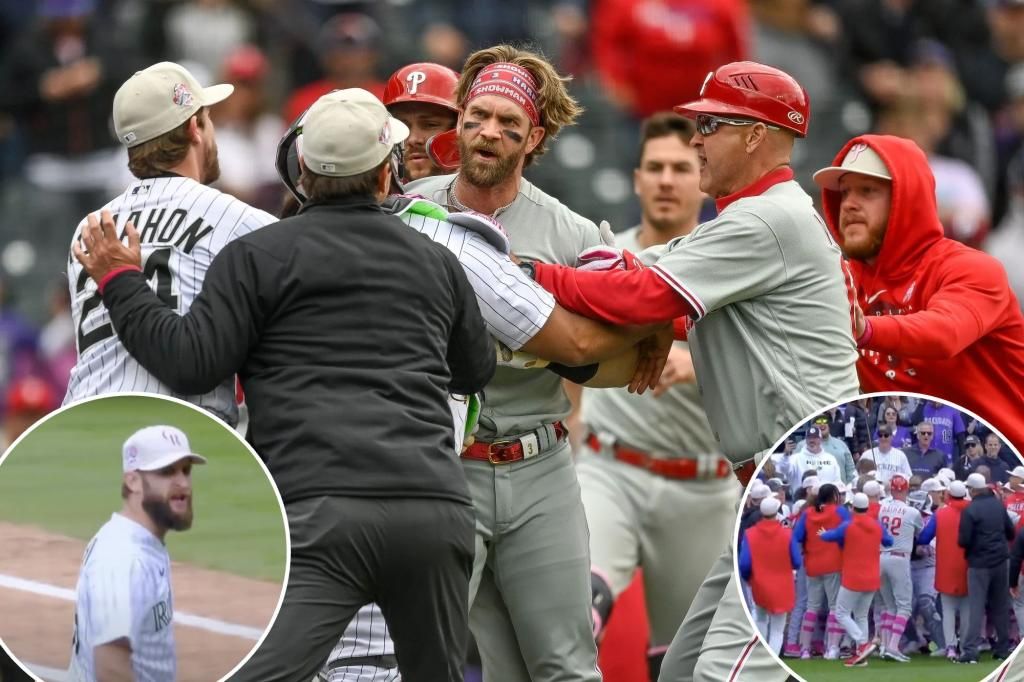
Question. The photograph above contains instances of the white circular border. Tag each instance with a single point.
(249, 448)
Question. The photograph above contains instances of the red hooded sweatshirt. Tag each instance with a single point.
(942, 317)
(950, 560)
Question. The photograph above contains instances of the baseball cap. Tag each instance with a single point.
(957, 489)
(29, 395)
(972, 440)
(770, 507)
(246, 63)
(946, 474)
(873, 488)
(976, 481)
(759, 491)
(348, 132)
(861, 159)
(1018, 472)
(860, 501)
(932, 485)
(899, 482)
(814, 432)
(776, 484)
(159, 99)
(809, 482)
(155, 447)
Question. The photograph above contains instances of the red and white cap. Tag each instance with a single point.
(899, 482)
(861, 159)
(155, 447)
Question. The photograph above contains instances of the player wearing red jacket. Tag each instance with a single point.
(950, 562)
(938, 317)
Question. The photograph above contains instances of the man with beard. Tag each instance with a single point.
(124, 604)
(161, 115)
(933, 316)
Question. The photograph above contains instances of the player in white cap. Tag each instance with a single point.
(124, 609)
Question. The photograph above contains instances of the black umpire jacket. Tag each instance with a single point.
(985, 531)
(347, 329)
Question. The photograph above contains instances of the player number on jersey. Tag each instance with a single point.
(156, 267)
(892, 524)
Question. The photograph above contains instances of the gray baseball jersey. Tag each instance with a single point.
(771, 340)
(124, 592)
(540, 228)
(182, 226)
(903, 522)
(672, 425)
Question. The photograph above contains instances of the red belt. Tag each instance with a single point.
(506, 451)
(681, 469)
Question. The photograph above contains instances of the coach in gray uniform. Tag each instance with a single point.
(530, 591)
(649, 465)
(747, 283)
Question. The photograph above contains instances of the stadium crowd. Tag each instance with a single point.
(891, 524)
(949, 75)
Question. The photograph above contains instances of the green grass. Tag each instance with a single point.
(923, 668)
(65, 476)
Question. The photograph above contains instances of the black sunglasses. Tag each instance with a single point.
(708, 124)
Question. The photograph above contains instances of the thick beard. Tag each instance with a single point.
(159, 511)
(481, 175)
(865, 252)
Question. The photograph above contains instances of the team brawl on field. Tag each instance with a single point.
(484, 410)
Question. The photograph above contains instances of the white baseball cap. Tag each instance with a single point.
(933, 485)
(860, 501)
(155, 447)
(946, 474)
(1018, 472)
(861, 159)
(872, 488)
(159, 99)
(809, 482)
(348, 132)
(976, 481)
(770, 507)
(957, 489)
(759, 491)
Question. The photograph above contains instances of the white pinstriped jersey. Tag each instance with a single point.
(366, 635)
(903, 522)
(124, 592)
(182, 226)
(888, 463)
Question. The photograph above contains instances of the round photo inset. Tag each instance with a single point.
(143, 539)
(882, 540)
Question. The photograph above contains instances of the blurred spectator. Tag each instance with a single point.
(835, 447)
(453, 28)
(58, 81)
(247, 133)
(651, 55)
(205, 32)
(19, 344)
(970, 459)
(57, 338)
(28, 400)
(999, 472)
(813, 457)
(989, 67)
(857, 425)
(1007, 242)
(949, 428)
(905, 406)
(901, 435)
(888, 460)
(349, 49)
(924, 460)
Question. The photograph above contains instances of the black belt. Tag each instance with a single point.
(387, 661)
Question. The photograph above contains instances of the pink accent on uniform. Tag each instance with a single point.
(834, 632)
(896, 626)
(885, 629)
(510, 81)
(657, 650)
(598, 624)
(807, 630)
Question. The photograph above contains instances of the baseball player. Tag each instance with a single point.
(761, 563)
(739, 284)
(161, 115)
(822, 563)
(873, 489)
(1015, 500)
(860, 539)
(903, 523)
(649, 464)
(950, 564)
(927, 500)
(889, 460)
(124, 607)
(422, 96)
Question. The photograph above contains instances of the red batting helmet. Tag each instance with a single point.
(752, 90)
(898, 482)
(422, 82)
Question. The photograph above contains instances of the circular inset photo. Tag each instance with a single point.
(884, 539)
(143, 539)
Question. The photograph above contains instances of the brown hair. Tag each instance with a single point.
(155, 157)
(556, 106)
(319, 187)
(663, 124)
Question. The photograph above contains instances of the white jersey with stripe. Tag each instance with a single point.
(889, 463)
(513, 306)
(182, 226)
(366, 635)
(903, 522)
(124, 593)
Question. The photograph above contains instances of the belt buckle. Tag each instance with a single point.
(499, 443)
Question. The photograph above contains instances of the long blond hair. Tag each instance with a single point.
(556, 106)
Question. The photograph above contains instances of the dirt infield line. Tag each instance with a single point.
(181, 617)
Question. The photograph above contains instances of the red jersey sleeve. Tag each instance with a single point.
(619, 297)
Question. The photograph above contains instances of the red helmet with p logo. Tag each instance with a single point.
(755, 91)
(422, 82)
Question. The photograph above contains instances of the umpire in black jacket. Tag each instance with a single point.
(985, 530)
(348, 330)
